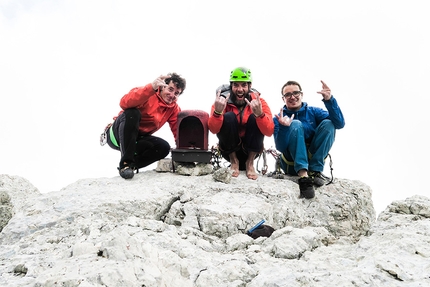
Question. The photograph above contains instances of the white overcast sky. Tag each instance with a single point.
(64, 65)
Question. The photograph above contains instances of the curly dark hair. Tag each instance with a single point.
(291, 83)
(179, 82)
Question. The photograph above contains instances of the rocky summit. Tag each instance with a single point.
(172, 229)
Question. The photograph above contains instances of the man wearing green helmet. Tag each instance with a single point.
(240, 118)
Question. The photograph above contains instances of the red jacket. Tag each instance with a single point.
(264, 122)
(155, 112)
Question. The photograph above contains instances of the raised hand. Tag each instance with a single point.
(255, 105)
(284, 120)
(159, 82)
(325, 92)
(221, 101)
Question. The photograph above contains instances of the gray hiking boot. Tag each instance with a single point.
(318, 178)
(126, 172)
(306, 187)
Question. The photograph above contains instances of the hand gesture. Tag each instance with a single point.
(284, 120)
(255, 105)
(159, 82)
(221, 101)
(325, 92)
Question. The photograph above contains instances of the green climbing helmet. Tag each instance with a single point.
(241, 74)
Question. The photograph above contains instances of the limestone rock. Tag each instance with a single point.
(165, 229)
(222, 175)
(195, 169)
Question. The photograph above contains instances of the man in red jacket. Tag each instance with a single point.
(240, 118)
(144, 111)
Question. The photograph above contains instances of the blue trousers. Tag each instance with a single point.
(308, 156)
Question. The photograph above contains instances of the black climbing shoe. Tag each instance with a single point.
(318, 178)
(306, 187)
(126, 172)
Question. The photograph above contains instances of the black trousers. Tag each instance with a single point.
(137, 150)
(229, 140)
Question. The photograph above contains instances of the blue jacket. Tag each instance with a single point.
(310, 117)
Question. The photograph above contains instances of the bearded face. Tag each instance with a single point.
(240, 91)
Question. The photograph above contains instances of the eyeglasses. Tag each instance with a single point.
(296, 94)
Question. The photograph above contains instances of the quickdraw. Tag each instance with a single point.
(216, 157)
(277, 173)
(331, 170)
(264, 169)
(103, 136)
(277, 156)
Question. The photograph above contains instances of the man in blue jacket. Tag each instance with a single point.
(304, 135)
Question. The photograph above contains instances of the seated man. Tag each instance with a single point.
(304, 135)
(144, 111)
(240, 118)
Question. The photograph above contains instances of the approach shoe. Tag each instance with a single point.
(318, 178)
(306, 187)
(126, 172)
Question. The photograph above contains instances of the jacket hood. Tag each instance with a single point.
(164, 104)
